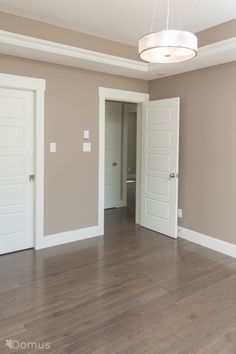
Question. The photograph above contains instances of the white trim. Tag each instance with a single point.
(140, 116)
(209, 55)
(39, 49)
(39, 168)
(68, 236)
(115, 95)
(124, 155)
(123, 95)
(43, 45)
(22, 82)
(208, 241)
(38, 87)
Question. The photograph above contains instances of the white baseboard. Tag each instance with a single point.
(207, 241)
(94, 231)
(69, 236)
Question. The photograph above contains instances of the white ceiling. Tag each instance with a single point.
(123, 20)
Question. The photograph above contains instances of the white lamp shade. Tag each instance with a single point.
(168, 46)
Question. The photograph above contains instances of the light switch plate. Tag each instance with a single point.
(53, 147)
(86, 147)
(86, 134)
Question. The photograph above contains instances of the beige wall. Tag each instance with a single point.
(217, 33)
(207, 141)
(58, 34)
(71, 105)
(207, 191)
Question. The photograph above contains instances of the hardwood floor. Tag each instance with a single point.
(131, 291)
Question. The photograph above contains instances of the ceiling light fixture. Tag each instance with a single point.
(168, 46)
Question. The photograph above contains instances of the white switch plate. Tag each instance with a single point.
(86, 134)
(53, 147)
(180, 213)
(86, 147)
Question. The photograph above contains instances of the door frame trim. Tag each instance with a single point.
(37, 86)
(122, 96)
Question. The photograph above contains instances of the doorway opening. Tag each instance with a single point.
(156, 206)
(108, 94)
(120, 159)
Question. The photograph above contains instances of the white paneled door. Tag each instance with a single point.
(160, 155)
(16, 166)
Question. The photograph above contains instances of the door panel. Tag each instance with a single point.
(16, 164)
(160, 154)
(156, 162)
(158, 186)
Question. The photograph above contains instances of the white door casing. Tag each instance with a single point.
(16, 165)
(121, 96)
(160, 158)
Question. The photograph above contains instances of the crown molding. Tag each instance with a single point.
(39, 49)
(209, 55)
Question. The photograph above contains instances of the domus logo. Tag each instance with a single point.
(17, 345)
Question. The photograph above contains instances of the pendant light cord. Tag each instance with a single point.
(168, 15)
(154, 16)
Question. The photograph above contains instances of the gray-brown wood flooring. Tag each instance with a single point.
(131, 291)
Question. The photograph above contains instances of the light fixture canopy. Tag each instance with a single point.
(168, 46)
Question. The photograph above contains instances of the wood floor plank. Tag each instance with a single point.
(132, 291)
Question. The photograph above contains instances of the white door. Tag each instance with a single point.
(113, 138)
(160, 155)
(16, 165)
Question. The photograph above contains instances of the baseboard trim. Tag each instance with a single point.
(69, 236)
(207, 241)
(95, 231)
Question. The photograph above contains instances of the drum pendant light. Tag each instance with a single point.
(168, 46)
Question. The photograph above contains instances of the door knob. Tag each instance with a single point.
(31, 178)
(172, 175)
(114, 164)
